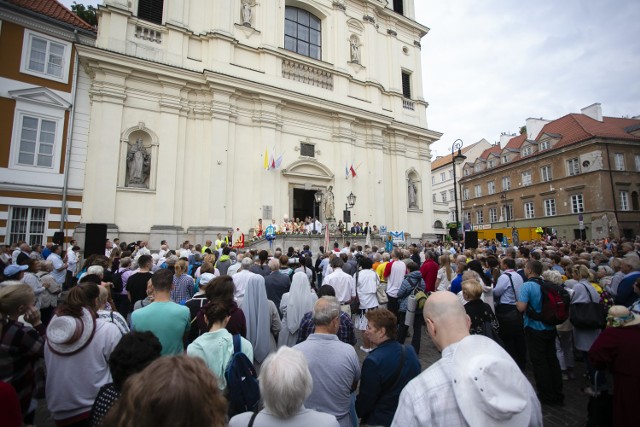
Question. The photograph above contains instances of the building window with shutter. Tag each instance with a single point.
(151, 10)
(406, 85)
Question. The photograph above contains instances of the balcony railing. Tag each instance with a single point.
(146, 33)
(408, 104)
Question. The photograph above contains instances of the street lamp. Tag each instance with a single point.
(456, 160)
(351, 201)
(318, 199)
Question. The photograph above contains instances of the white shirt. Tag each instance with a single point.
(367, 286)
(240, 280)
(58, 274)
(429, 399)
(72, 261)
(344, 285)
(394, 281)
(233, 269)
(70, 394)
(143, 251)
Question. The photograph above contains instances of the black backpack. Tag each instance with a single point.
(116, 279)
(242, 381)
(555, 303)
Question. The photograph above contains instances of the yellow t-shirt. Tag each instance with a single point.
(380, 271)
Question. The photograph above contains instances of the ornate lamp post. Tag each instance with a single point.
(351, 201)
(456, 160)
(317, 199)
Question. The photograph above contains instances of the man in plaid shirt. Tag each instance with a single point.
(345, 332)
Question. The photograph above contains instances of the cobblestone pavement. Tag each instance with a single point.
(573, 413)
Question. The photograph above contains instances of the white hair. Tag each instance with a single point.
(246, 263)
(96, 269)
(274, 264)
(285, 382)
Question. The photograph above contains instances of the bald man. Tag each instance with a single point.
(475, 383)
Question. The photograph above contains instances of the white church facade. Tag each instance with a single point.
(187, 97)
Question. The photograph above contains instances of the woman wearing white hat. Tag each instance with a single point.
(78, 348)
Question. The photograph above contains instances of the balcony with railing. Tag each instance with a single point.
(408, 104)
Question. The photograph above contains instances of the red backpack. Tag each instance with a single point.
(555, 303)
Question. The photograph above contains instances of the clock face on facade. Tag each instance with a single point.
(586, 164)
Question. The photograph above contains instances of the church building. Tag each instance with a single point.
(207, 115)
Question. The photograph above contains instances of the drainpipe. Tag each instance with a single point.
(613, 190)
(67, 157)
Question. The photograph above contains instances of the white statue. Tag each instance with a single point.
(413, 195)
(138, 164)
(246, 13)
(329, 206)
(355, 50)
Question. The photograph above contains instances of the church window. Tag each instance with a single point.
(302, 32)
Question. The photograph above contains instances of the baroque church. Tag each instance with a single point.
(207, 115)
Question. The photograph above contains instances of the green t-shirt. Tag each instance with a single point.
(168, 321)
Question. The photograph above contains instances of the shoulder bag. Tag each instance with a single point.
(587, 315)
(509, 318)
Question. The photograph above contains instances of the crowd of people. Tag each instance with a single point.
(135, 337)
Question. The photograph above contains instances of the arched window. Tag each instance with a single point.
(302, 32)
(634, 201)
(438, 224)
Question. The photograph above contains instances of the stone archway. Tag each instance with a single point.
(304, 177)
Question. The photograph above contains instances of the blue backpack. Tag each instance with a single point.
(242, 381)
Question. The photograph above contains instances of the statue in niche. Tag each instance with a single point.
(329, 206)
(138, 165)
(246, 13)
(413, 194)
(355, 50)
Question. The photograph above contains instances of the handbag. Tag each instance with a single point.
(381, 293)
(354, 305)
(587, 315)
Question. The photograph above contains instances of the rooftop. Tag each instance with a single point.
(53, 9)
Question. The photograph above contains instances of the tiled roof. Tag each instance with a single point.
(570, 129)
(579, 127)
(493, 149)
(515, 142)
(442, 161)
(53, 9)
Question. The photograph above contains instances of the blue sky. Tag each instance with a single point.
(489, 65)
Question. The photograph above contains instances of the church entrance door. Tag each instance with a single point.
(304, 203)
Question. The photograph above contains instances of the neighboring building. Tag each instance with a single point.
(42, 96)
(580, 164)
(442, 194)
(208, 88)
